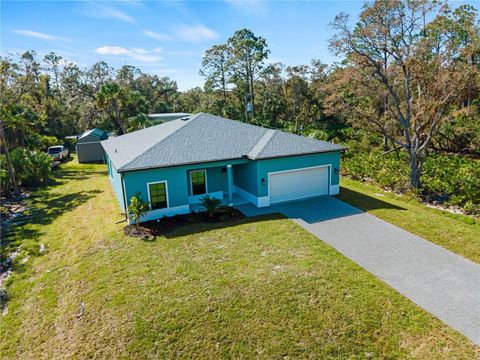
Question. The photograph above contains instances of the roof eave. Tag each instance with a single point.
(106, 153)
(342, 149)
(122, 170)
(182, 164)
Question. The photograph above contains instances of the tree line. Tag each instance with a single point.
(412, 81)
(408, 81)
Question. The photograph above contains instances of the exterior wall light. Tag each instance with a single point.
(336, 171)
(264, 181)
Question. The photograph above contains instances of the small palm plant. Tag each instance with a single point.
(211, 205)
(137, 208)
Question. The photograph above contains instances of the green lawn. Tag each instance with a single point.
(455, 232)
(251, 288)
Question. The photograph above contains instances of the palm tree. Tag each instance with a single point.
(138, 122)
(108, 98)
(210, 205)
(137, 208)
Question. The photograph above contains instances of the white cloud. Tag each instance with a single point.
(115, 14)
(102, 11)
(140, 51)
(196, 33)
(191, 33)
(36, 34)
(156, 35)
(112, 50)
(250, 7)
(139, 54)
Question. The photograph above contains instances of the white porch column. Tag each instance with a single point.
(230, 184)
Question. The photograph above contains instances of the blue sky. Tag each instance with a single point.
(167, 38)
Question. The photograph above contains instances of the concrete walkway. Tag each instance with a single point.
(443, 283)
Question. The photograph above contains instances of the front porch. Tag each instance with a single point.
(237, 199)
(216, 182)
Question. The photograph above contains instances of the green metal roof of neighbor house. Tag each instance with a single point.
(93, 135)
(205, 138)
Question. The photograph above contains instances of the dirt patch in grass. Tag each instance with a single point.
(12, 206)
(151, 229)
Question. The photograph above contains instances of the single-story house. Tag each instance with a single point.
(88, 146)
(173, 165)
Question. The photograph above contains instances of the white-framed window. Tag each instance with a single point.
(158, 195)
(198, 182)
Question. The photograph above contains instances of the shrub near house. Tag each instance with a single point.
(31, 168)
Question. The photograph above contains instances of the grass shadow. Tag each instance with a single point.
(364, 202)
(61, 176)
(202, 227)
(22, 234)
(43, 211)
(53, 207)
(190, 224)
(44, 206)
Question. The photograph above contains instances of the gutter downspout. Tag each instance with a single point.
(230, 184)
(124, 197)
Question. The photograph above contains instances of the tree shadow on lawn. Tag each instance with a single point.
(364, 202)
(46, 206)
(44, 209)
(62, 176)
(52, 207)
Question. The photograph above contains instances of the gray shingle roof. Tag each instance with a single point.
(125, 148)
(287, 144)
(205, 138)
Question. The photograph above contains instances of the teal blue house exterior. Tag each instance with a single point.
(174, 165)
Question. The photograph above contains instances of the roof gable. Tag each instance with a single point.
(286, 144)
(125, 148)
(93, 135)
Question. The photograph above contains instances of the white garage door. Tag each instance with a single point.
(298, 184)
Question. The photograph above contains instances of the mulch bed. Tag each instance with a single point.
(152, 229)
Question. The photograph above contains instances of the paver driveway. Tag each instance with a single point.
(443, 283)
